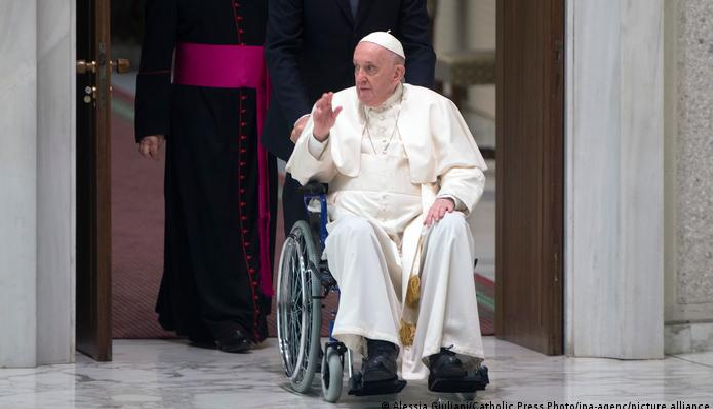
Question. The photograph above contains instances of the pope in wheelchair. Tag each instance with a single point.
(403, 174)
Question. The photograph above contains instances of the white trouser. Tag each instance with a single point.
(366, 264)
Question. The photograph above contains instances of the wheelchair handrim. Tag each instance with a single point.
(300, 293)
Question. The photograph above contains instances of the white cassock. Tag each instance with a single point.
(383, 179)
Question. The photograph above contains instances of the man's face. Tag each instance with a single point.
(375, 72)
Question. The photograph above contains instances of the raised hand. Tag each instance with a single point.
(324, 116)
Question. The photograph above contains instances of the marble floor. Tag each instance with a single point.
(152, 374)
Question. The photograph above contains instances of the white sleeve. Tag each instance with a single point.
(304, 165)
(315, 147)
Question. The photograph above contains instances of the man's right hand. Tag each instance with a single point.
(150, 146)
(298, 128)
(324, 116)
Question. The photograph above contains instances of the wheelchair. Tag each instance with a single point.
(303, 282)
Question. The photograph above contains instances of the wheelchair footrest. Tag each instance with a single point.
(473, 381)
(358, 387)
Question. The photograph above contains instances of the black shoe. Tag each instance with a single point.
(235, 342)
(201, 343)
(445, 365)
(201, 340)
(448, 375)
(380, 365)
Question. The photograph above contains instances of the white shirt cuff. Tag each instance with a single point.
(315, 147)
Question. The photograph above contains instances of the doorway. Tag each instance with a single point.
(525, 268)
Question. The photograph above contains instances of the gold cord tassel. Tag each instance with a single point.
(413, 291)
(407, 333)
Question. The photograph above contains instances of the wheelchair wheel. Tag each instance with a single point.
(299, 313)
(332, 375)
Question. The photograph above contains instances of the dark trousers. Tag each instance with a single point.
(293, 207)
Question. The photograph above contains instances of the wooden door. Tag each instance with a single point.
(93, 280)
(529, 173)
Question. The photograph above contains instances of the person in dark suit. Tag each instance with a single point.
(202, 86)
(309, 46)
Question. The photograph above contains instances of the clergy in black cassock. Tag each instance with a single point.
(220, 185)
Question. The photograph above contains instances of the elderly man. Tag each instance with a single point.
(403, 173)
(309, 47)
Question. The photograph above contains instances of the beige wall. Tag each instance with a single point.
(689, 176)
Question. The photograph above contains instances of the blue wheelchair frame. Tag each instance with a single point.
(322, 197)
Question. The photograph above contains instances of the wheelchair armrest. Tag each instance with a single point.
(313, 188)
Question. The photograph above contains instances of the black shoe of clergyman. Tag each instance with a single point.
(381, 363)
(236, 342)
(201, 342)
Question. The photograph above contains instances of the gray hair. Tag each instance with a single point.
(399, 60)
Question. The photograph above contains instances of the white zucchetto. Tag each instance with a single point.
(387, 41)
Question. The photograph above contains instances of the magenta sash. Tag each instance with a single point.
(234, 66)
